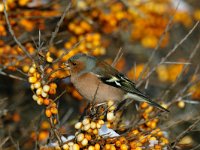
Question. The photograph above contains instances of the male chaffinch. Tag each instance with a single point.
(94, 78)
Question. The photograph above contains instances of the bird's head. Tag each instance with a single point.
(81, 63)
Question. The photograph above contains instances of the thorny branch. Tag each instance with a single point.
(13, 34)
(168, 54)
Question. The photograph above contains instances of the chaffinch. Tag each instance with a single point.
(94, 78)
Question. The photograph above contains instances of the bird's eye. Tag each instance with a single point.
(74, 63)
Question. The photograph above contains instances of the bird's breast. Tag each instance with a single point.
(89, 86)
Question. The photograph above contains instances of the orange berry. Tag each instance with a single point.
(46, 101)
(48, 112)
(54, 110)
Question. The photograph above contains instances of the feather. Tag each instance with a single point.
(111, 76)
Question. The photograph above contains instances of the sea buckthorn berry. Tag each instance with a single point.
(98, 126)
(88, 137)
(101, 122)
(84, 142)
(86, 127)
(78, 125)
(54, 110)
(44, 94)
(37, 85)
(46, 88)
(93, 125)
(91, 148)
(118, 143)
(181, 104)
(86, 121)
(40, 101)
(80, 137)
(95, 131)
(110, 116)
(49, 59)
(46, 101)
(25, 68)
(35, 97)
(65, 147)
(75, 147)
(32, 87)
(124, 147)
(39, 91)
(32, 79)
(48, 113)
(32, 70)
(107, 146)
(97, 146)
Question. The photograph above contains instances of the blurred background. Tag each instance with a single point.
(161, 33)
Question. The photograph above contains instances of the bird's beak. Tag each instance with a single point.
(67, 65)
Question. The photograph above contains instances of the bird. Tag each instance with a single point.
(94, 78)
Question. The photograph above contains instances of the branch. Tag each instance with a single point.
(13, 34)
(163, 59)
(58, 26)
(180, 136)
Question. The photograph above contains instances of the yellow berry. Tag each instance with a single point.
(80, 137)
(32, 70)
(124, 147)
(98, 126)
(65, 147)
(110, 103)
(32, 79)
(101, 122)
(181, 104)
(48, 113)
(84, 142)
(107, 146)
(49, 59)
(110, 116)
(46, 88)
(54, 110)
(35, 97)
(44, 94)
(93, 125)
(78, 125)
(40, 101)
(91, 148)
(86, 127)
(86, 121)
(37, 85)
(97, 146)
(95, 131)
(75, 147)
(39, 91)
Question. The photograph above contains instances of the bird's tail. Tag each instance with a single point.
(142, 98)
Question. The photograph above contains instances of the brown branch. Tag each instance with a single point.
(158, 45)
(13, 34)
(12, 76)
(181, 135)
(185, 67)
(117, 57)
(58, 26)
(163, 59)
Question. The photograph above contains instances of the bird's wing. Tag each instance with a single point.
(111, 76)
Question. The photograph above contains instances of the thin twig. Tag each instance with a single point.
(163, 59)
(12, 76)
(180, 136)
(58, 25)
(159, 43)
(13, 34)
(185, 67)
(117, 58)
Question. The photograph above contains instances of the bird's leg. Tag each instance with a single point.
(85, 111)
